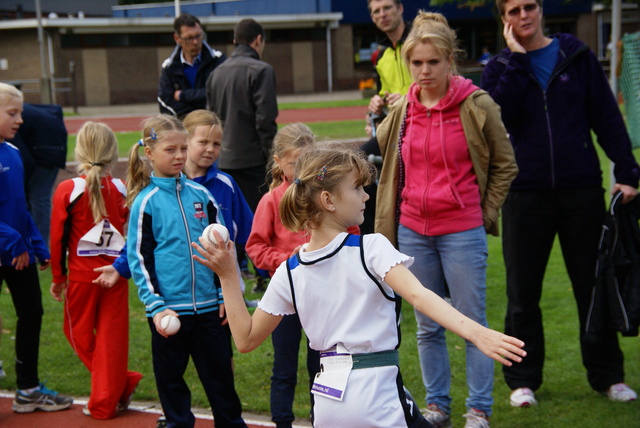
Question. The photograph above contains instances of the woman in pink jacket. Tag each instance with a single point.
(447, 166)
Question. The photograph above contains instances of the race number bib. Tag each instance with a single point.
(335, 367)
(102, 239)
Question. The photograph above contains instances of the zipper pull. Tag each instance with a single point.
(429, 112)
(178, 186)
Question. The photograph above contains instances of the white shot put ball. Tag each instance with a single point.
(209, 236)
(170, 324)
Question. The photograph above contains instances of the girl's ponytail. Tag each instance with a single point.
(153, 131)
(137, 174)
(96, 151)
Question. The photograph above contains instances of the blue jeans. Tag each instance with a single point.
(460, 259)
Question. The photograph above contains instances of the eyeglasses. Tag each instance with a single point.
(190, 39)
(517, 10)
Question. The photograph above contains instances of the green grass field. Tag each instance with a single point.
(565, 397)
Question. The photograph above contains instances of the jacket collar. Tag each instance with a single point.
(386, 41)
(245, 50)
(205, 55)
(168, 184)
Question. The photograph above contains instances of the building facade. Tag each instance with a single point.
(313, 45)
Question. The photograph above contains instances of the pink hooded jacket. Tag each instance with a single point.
(441, 193)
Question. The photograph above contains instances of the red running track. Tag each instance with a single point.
(135, 417)
(329, 114)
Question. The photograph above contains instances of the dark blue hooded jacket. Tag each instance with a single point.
(550, 128)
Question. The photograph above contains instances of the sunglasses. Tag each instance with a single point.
(517, 10)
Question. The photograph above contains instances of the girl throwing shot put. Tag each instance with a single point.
(345, 290)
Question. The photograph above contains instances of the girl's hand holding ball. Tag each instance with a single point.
(210, 237)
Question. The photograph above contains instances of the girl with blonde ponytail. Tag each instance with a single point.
(95, 160)
(87, 223)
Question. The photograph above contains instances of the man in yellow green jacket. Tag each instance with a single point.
(392, 76)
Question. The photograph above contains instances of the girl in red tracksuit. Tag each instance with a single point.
(87, 221)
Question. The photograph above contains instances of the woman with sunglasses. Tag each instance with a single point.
(553, 94)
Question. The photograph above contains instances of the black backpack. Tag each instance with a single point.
(615, 301)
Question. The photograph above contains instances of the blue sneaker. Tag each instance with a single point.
(41, 399)
(3, 374)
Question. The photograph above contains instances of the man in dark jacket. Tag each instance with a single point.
(553, 93)
(184, 74)
(42, 140)
(242, 91)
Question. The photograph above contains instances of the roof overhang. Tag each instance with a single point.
(159, 25)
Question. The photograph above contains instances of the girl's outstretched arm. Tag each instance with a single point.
(248, 332)
(498, 346)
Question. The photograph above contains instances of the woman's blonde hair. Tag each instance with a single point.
(154, 129)
(320, 169)
(96, 151)
(291, 137)
(7, 91)
(431, 27)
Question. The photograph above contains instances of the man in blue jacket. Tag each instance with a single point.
(184, 74)
(553, 93)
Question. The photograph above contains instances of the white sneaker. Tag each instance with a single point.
(522, 397)
(621, 392)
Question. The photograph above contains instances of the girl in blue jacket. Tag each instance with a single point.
(168, 213)
(21, 245)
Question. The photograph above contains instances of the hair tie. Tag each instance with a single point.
(96, 164)
(297, 181)
(153, 134)
(322, 173)
(141, 142)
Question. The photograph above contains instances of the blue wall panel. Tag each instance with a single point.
(356, 12)
(229, 8)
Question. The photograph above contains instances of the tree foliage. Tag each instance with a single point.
(468, 4)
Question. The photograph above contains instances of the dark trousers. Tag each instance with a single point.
(209, 344)
(286, 345)
(252, 183)
(531, 219)
(24, 286)
(38, 189)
